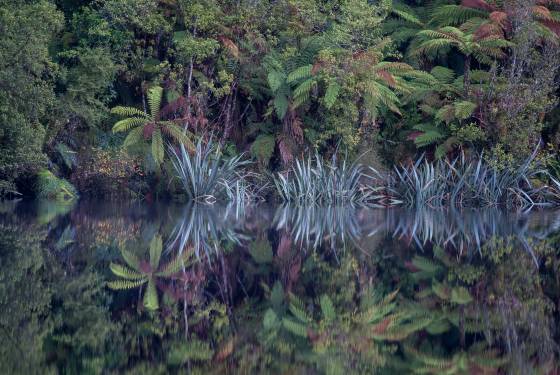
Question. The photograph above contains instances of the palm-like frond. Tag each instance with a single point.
(128, 112)
(156, 246)
(154, 101)
(452, 15)
(134, 137)
(175, 132)
(128, 123)
(125, 272)
(157, 146)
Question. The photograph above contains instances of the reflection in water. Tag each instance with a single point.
(106, 288)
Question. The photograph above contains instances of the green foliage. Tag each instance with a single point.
(263, 148)
(209, 175)
(137, 273)
(149, 126)
(324, 182)
(51, 187)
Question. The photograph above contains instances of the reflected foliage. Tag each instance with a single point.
(324, 290)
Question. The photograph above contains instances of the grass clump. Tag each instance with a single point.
(207, 175)
(476, 182)
(317, 181)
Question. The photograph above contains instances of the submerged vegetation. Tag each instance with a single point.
(104, 95)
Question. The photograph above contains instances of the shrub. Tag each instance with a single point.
(109, 173)
(51, 187)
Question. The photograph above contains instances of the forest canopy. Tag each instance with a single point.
(98, 96)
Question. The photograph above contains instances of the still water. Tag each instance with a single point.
(118, 287)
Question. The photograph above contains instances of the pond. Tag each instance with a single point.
(119, 287)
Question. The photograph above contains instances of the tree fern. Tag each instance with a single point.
(327, 308)
(296, 328)
(143, 126)
(125, 272)
(125, 284)
(331, 94)
(464, 109)
(453, 15)
(300, 73)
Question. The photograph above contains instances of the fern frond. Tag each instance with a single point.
(406, 13)
(432, 46)
(428, 138)
(125, 272)
(184, 260)
(275, 80)
(297, 308)
(460, 296)
(128, 112)
(327, 308)
(281, 105)
(297, 329)
(157, 146)
(156, 246)
(128, 123)
(464, 109)
(154, 101)
(331, 94)
(178, 134)
(446, 114)
(303, 72)
(192, 350)
(125, 284)
(426, 265)
(135, 136)
(151, 301)
(303, 91)
(443, 74)
(130, 259)
(447, 15)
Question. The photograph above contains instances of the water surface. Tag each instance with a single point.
(120, 287)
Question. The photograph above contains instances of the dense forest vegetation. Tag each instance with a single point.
(97, 95)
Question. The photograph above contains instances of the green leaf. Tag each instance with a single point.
(134, 137)
(275, 80)
(150, 297)
(464, 109)
(460, 296)
(331, 94)
(157, 146)
(128, 123)
(327, 308)
(443, 74)
(156, 246)
(270, 320)
(261, 251)
(281, 105)
(128, 112)
(263, 148)
(125, 284)
(154, 101)
(192, 350)
(300, 73)
(178, 134)
(297, 329)
(125, 272)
